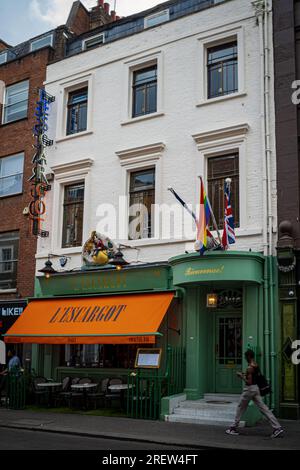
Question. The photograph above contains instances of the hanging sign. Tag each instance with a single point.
(38, 179)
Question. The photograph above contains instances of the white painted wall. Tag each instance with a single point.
(182, 114)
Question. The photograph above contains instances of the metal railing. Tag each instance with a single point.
(16, 389)
(146, 387)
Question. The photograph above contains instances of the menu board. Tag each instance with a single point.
(148, 358)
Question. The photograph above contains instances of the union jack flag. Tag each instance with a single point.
(228, 237)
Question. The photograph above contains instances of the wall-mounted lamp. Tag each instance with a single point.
(212, 300)
(118, 260)
(48, 269)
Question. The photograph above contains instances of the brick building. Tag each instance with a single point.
(22, 72)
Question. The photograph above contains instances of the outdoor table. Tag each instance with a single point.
(50, 386)
(121, 388)
(84, 388)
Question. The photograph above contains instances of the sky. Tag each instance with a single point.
(23, 19)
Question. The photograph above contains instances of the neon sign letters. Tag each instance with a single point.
(39, 182)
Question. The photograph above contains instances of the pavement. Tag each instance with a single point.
(192, 436)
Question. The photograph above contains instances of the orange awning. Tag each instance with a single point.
(119, 319)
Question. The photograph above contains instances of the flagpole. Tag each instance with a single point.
(212, 215)
(189, 210)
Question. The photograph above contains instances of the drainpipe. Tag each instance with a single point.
(261, 9)
(267, 78)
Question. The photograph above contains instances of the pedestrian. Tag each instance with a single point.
(13, 363)
(251, 392)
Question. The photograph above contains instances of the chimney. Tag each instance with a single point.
(100, 3)
(106, 8)
(113, 15)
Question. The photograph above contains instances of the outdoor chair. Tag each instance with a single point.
(112, 395)
(66, 396)
(78, 396)
(39, 393)
(99, 394)
(61, 395)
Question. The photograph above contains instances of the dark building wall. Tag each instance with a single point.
(286, 113)
(14, 138)
(286, 14)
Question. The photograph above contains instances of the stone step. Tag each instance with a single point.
(226, 414)
(202, 404)
(204, 421)
(234, 398)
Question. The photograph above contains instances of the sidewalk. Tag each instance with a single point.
(187, 435)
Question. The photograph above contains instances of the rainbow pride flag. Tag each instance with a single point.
(203, 220)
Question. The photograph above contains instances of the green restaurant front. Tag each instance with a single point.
(219, 305)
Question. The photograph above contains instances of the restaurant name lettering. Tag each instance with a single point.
(197, 272)
(98, 282)
(88, 314)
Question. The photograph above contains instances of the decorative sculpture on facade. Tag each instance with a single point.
(98, 250)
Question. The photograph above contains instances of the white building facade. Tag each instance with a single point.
(179, 99)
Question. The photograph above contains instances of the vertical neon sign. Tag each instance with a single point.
(38, 179)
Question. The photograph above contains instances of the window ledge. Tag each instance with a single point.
(8, 291)
(73, 136)
(4, 124)
(221, 98)
(5, 196)
(142, 118)
(77, 250)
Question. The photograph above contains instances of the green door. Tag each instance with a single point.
(228, 348)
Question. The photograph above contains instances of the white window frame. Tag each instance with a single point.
(84, 48)
(138, 64)
(138, 159)
(236, 34)
(65, 88)
(65, 175)
(34, 41)
(222, 142)
(4, 102)
(3, 54)
(165, 12)
(9, 156)
(12, 260)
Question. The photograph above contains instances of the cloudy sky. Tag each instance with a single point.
(23, 19)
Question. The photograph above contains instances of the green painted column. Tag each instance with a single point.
(192, 345)
(196, 344)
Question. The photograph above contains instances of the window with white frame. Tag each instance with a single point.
(141, 201)
(218, 170)
(77, 111)
(3, 57)
(73, 206)
(95, 41)
(222, 69)
(156, 18)
(16, 102)
(42, 42)
(9, 250)
(144, 91)
(11, 174)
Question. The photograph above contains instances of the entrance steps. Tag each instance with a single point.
(214, 408)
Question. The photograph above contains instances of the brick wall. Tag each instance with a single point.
(17, 137)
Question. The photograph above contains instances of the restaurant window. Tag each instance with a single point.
(222, 68)
(77, 111)
(73, 215)
(114, 356)
(220, 168)
(9, 251)
(141, 200)
(11, 174)
(16, 102)
(144, 91)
